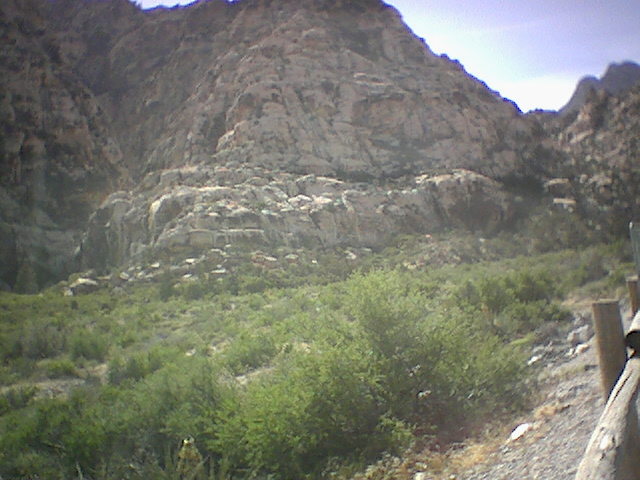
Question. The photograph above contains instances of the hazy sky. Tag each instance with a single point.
(531, 51)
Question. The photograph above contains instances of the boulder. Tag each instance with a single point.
(83, 286)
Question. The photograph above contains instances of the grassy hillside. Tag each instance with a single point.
(309, 372)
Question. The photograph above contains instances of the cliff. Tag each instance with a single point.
(128, 135)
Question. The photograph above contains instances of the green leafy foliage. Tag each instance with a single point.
(250, 350)
(139, 364)
(315, 406)
(273, 381)
(60, 367)
(16, 398)
(88, 344)
(39, 339)
(513, 303)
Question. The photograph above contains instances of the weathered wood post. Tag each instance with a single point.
(613, 452)
(612, 353)
(632, 340)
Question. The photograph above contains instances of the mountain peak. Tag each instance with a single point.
(618, 78)
(263, 123)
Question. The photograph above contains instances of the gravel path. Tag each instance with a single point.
(561, 427)
(571, 405)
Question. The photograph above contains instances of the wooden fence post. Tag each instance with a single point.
(613, 452)
(612, 353)
(632, 285)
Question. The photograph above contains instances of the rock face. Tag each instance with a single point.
(261, 208)
(312, 123)
(602, 149)
(129, 134)
(618, 78)
(57, 157)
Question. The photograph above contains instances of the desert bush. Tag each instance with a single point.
(113, 432)
(194, 289)
(249, 351)
(139, 364)
(88, 344)
(512, 303)
(354, 392)
(26, 278)
(354, 367)
(147, 419)
(591, 267)
(16, 398)
(166, 287)
(315, 406)
(60, 367)
(254, 283)
(31, 440)
(433, 364)
(40, 339)
(550, 231)
(11, 345)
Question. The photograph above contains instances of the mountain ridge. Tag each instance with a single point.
(265, 123)
(617, 78)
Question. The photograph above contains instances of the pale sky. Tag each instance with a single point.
(533, 52)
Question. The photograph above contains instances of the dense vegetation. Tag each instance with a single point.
(274, 380)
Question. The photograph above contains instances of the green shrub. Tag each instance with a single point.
(16, 398)
(249, 351)
(60, 367)
(550, 231)
(32, 440)
(365, 361)
(590, 268)
(253, 284)
(11, 345)
(141, 422)
(111, 432)
(40, 339)
(26, 279)
(31, 464)
(520, 318)
(194, 290)
(512, 303)
(315, 406)
(166, 287)
(444, 358)
(88, 344)
(138, 365)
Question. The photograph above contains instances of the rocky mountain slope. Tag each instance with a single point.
(131, 135)
(618, 78)
(57, 157)
(603, 147)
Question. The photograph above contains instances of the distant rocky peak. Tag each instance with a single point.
(618, 78)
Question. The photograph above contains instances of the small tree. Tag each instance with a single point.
(26, 280)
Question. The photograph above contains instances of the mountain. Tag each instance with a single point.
(130, 136)
(618, 78)
(602, 148)
(57, 156)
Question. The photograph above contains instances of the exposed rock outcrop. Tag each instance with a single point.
(220, 112)
(130, 134)
(603, 148)
(267, 209)
(57, 158)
